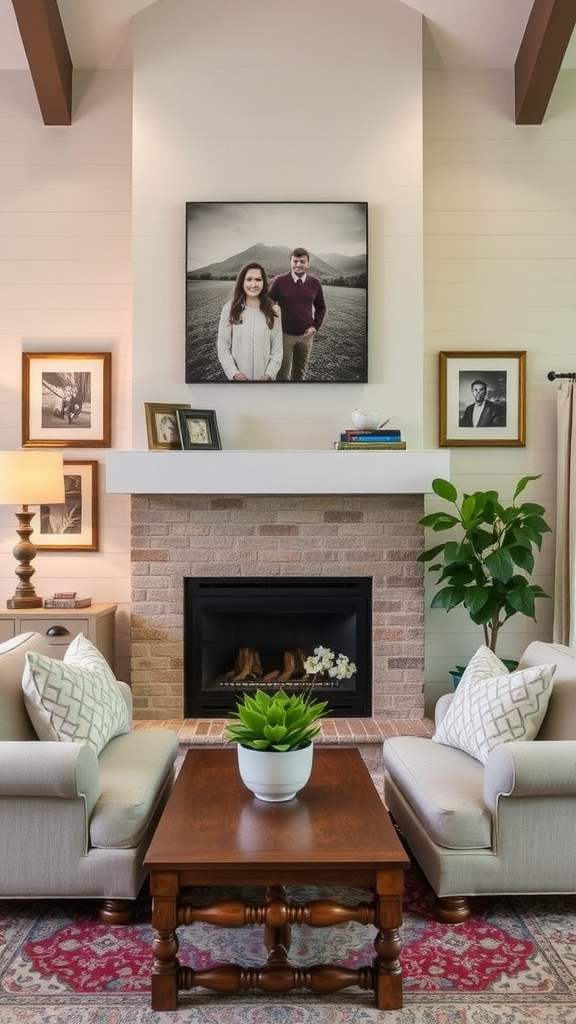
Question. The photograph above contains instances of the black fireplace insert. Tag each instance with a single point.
(248, 633)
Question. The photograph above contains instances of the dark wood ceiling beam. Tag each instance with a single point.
(48, 57)
(548, 32)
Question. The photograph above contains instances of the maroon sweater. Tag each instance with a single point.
(302, 305)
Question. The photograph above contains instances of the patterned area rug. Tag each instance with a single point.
(515, 961)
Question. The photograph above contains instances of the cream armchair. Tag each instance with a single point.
(506, 826)
(75, 822)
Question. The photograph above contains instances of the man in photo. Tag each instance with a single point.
(301, 300)
(482, 412)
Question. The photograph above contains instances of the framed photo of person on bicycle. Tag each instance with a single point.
(66, 399)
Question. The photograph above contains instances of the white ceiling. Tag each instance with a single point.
(461, 33)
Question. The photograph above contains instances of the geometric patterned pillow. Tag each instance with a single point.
(483, 665)
(502, 708)
(76, 700)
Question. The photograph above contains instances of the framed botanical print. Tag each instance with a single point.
(482, 399)
(72, 525)
(66, 399)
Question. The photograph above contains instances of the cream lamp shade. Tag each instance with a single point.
(29, 478)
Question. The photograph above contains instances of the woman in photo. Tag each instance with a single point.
(250, 330)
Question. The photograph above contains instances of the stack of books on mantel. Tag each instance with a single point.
(67, 599)
(383, 439)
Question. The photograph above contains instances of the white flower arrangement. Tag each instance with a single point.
(325, 662)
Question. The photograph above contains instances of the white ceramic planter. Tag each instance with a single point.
(272, 775)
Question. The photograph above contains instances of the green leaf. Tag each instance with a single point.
(427, 556)
(476, 599)
(439, 521)
(448, 598)
(521, 485)
(500, 565)
(275, 733)
(444, 489)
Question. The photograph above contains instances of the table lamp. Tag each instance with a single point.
(29, 478)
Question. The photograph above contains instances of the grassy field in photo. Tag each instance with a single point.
(339, 353)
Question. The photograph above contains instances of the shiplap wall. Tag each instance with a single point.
(66, 285)
(500, 274)
(249, 103)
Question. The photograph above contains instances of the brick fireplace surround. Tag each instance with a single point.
(279, 535)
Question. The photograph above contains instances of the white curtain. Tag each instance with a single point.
(564, 627)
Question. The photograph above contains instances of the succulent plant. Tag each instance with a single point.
(276, 720)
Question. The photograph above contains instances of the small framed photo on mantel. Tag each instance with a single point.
(198, 429)
(482, 399)
(162, 426)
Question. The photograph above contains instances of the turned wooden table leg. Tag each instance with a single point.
(387, 944)
(165, 948)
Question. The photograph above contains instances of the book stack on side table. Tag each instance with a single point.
(67, 599)
(383, 439)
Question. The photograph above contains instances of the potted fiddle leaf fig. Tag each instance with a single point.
(486, 563)
(274, 733)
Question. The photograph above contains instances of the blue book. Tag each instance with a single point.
(373, 435)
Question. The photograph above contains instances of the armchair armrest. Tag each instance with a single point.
(442, 705)
(126, 692)
(31, 768)
(533, 768)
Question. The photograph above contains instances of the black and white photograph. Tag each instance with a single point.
(198, 429)
(162, 426)
(73, 524)
(66, 400)
(276, 293)
(482, 399)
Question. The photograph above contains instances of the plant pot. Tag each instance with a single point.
(272, 775)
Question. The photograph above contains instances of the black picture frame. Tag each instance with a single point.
(221, 238)
(198, 429)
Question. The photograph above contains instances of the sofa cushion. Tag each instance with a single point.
(76, 700)
(14, 721)
(491, 709)
(455, 817)
(134, 769)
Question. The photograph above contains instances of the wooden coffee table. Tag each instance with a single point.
(336, 832)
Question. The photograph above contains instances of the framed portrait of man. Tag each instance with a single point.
(482, 399)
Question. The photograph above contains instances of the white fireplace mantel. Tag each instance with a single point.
(274, 472)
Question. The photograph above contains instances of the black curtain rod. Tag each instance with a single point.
(556, 376)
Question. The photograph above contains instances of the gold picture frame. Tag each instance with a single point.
(162, 426)
(66, 399)
(482, 399)
(72, 525)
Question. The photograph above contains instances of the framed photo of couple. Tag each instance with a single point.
(482, 399)
(322, 333)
